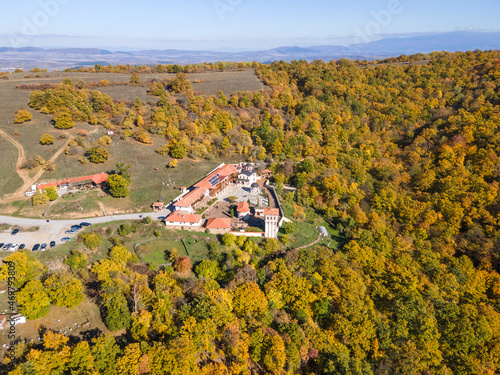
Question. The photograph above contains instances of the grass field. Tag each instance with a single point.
(146, 181)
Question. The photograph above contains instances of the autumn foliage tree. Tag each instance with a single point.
(22, 116)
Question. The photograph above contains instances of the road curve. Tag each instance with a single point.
(54, 229)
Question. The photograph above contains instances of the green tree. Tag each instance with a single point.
(104, 352)
(51, 193)
(91, 240)
(117, 186)
(76, 260)
(97, 154)
(39, 198)
(64, 290)
(140, 324)
(33, 300)
(177, 149)
(228, 239)
(208, 269)
(80, 361)
(64, 120)
(22, 266)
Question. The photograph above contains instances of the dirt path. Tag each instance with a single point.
(21, 158)
(24, 174)
(27, 181)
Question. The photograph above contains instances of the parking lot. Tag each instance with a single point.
(54, 230)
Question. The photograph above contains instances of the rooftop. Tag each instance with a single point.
(243, 207)
(220, 174)
(178, 217)
(219, 223)
(272, 212)
(191, 197)
(96, 178)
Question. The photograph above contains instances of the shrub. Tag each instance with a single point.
(39, 198)
(146, 220)
(91, 240)
(51, 193)
(22, 116)
(64, 120)
(47, 139)
(162, 150)
(126, 229)
(183, 264)
(142, 136)
(253, 230)
(105, 140)
(97, 154)
(117, 186)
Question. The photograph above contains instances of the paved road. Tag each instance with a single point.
(54, 229)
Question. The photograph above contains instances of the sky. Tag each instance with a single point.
(232, 25)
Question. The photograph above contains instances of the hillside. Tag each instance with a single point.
(400, 157)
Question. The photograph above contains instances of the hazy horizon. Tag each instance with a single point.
(233, 25)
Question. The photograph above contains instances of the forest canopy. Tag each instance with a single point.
(401, 158)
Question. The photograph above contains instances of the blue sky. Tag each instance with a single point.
(232, 24)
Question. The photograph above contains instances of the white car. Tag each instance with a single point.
(14, 247)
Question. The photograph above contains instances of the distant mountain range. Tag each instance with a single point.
(60, 58)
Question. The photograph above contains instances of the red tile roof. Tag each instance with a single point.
(191, 197)
(222, 172)
(272, 211)
(96, 178)
(219, 223)
(179, 217)
(266, 171)
(158, 204)
(243, 207)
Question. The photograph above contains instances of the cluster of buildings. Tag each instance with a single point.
(212, 186)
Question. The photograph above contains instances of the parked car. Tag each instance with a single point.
(14, 247)
(52, 244)
(7, 246)
(70, 231)
(1, 245)
(161, 218)
(36, 247)
(76, 228)
(66, 239)
(22, 246)
(15, 231)
(43, 247)
(85, 224)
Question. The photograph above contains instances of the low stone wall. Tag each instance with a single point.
(248, 234)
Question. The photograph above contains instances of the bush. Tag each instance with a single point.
(288, 228)
(22, 116)
(91, 240)
(52, 193)
(146, 220)
(183, 264)
(97, 154)
(39, 198)
(253, 230)
(162, 150)
(64, 120)
(126, 229)
(47, 139)
(117, 186)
